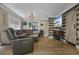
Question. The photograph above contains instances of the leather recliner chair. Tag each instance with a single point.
(19, 45)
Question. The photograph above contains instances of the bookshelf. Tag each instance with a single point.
(68, 24)
(51, 26)
(77, 25)
(64, 25)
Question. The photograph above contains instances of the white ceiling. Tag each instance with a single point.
(42, 10)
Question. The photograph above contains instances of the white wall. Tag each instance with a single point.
(3, 26)
(44, 27)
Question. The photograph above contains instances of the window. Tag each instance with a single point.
(58, 21)
(14, 22)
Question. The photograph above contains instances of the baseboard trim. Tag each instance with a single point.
(5, 44)
(71, 43)
(50, 37)
(77, 46)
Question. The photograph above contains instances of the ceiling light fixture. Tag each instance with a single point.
(31, 17)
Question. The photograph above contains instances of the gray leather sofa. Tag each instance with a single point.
(19, 45)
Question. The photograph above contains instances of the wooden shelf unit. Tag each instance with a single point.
(51, 26)
(64, 25)
(77, 25)
(70, 25)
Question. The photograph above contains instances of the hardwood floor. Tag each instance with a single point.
(47, 46)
